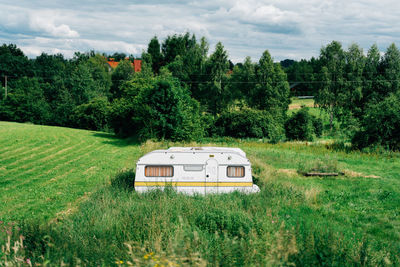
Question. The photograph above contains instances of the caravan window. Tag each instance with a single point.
(235, 171)
(159, 171)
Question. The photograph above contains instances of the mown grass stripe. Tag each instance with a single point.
(54, 168)
(29, 149)
(35, 161)
(61, 157)
(44, 186)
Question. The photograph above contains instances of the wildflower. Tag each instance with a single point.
(148, 255)
(119, 262)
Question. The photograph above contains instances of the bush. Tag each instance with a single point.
(380, 125)
(93, 115)
(303, 126)
(249, 123)
(124, 179)
(160, 108)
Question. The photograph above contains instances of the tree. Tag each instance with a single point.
(390, 69)
(155, 51)
(25, 103)
(352, 94)
(156, 107)
(13, 64)
(242, 80)
(81, 86)
(301, 75)
(303, 126)
(177, 45)
(271, 91)
(215, 91)
(189, 67)
(380, 125)
(166, 111)
(51, 72)
(93, 115)
(330, 96)
(371, 77)
(99, 71)
(123, 72)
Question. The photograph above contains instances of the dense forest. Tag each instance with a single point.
(186, 92)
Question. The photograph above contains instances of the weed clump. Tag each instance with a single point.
(124, 179)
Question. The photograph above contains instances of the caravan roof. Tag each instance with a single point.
(202, 150)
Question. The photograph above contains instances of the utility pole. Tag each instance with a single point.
(5, 88)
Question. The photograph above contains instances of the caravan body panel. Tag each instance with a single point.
(195, 170)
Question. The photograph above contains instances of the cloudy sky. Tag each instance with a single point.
(287, 28)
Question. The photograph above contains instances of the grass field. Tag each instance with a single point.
(297, 103)
(45, 170)
(49, 172)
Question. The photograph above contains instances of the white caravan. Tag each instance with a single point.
(195, 170)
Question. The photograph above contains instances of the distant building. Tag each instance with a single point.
(137, 64)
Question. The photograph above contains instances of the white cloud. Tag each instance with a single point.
(288, 28)
(46, 22)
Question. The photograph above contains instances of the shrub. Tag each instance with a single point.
(247, 122)
(93, 115)
(160, 108)
(380, 125)
(303, 126)
(124, 179)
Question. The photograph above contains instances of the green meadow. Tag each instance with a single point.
(69, 194)
(45, 170)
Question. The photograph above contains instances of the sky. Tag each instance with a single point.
(288, 29)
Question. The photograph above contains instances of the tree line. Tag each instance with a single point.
(186, 92)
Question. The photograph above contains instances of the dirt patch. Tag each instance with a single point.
(354, 174)
(2, 168)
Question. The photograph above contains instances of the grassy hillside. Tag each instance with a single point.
(45, 170)
(353, 219)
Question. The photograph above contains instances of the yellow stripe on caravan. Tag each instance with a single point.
(194, 184)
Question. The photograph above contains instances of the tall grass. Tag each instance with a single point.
(117, 226)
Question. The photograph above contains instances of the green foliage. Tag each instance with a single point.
(154, 50)
(13, 62)
(165, 110)
(214, 92)
(380, 125)
(25, 103)
(123, 72)
(271, 91)
(247, 122)
(156, 107)
(124, 179)
(93, 115)
(242, 80)
(303, 74)
(303, 126)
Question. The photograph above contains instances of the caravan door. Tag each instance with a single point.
(211, 176)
